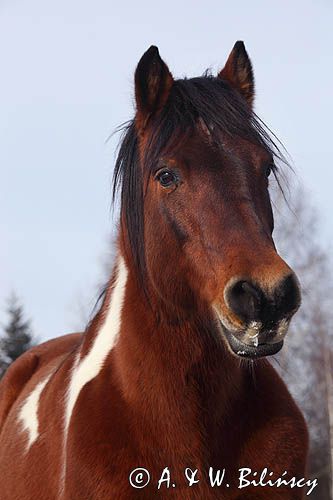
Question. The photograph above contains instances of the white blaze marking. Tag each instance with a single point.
(29, 412)
(90, 366)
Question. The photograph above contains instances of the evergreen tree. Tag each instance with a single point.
(17, 336)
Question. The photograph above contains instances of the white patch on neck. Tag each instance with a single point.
(29, 412)
(89, 367)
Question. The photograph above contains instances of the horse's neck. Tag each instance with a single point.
(167, 371)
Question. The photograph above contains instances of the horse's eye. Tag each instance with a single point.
(268, 170)
(166, 178)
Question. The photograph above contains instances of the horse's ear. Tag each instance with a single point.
(238, 72)
(153, 82)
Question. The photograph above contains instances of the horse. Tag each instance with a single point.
(170, 383)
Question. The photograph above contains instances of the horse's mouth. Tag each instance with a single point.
(255, 339)
(251, 351)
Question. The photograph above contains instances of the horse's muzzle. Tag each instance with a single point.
(264, 314)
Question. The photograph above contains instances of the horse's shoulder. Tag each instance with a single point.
(23, 368)
(56, 347)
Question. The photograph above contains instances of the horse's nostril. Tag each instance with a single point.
(287, 296)
(250, 302)
(245, 300)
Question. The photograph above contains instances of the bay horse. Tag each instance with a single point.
(170, 380)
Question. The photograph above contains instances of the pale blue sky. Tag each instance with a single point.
(66, 82)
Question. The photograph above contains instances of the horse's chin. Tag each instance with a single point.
(243, 350)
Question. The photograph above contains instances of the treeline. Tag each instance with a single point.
(16, 334)
(305, 362)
